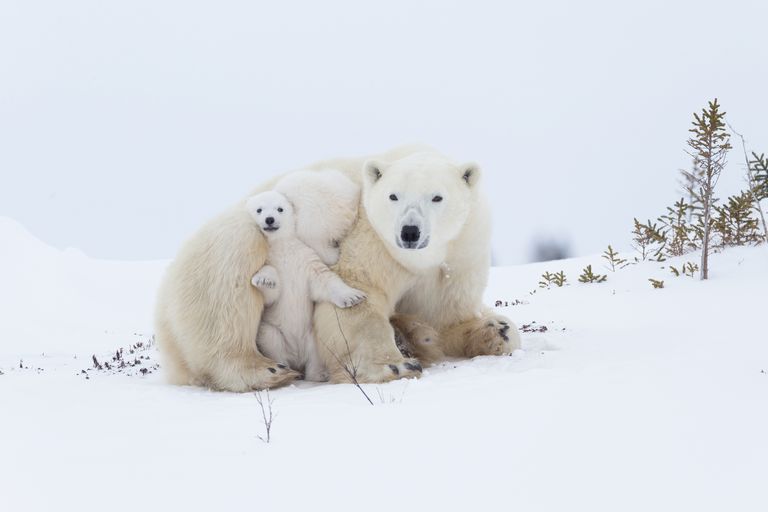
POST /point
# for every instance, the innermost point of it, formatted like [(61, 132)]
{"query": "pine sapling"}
[(656, 283), (546, 280), (613, 259), (588, 276), (687, 182), (759, 168), (757, 179), (734, 223), (710, 143), (690, 269), (677, 229), (649, 241), (758, 185)]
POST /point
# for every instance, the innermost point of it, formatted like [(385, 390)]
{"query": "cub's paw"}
[(496, 335), (347, 298), (261, 281)]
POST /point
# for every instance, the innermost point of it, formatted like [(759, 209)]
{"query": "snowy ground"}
[(632, 399)]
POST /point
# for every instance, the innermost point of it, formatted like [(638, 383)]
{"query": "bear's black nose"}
[(269, 221), (410, 234)]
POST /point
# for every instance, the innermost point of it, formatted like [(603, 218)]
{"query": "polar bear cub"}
[(295, 276)]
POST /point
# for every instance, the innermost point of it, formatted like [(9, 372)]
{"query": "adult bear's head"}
[(419, 204)]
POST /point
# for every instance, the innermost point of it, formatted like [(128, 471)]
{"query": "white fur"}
[(326, 206), (398, 277), (208, 313), (294, 277), (402, 194)]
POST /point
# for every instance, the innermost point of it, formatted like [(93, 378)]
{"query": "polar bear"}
[(293, 278), (420, 247), (208, 314)]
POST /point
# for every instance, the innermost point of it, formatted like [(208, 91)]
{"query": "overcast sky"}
[(125, 125)]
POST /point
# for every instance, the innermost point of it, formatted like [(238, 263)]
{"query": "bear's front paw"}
[(403, 368), (348, 298), (497, 336), (260, 281)]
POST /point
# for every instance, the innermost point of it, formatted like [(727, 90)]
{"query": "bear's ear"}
[(372, 170), (470, 173)]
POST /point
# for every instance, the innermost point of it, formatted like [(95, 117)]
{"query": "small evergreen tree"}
[(559, 278), (757, 174), (690, 268), (548, 279), (649, 241), (612, 257), (734, 223), (680, 236), (588, 276), (757, 178), (710, 143), (758, 167), (688, 187)]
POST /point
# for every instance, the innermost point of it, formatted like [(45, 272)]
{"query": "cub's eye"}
[(280, 210), (258, 211), (437, 199), (393, 197), (335, 244)]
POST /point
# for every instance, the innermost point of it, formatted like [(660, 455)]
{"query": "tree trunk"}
[(705, 246)]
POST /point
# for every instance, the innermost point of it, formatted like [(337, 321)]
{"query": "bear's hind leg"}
[(487, 335), (417, 339), (358, 344), (249, 374), (172, 361)]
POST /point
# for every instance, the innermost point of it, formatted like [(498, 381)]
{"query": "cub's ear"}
[(372, 171), (470, 173)]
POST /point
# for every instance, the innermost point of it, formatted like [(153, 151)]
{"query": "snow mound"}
[(623, 397), (64, 302)]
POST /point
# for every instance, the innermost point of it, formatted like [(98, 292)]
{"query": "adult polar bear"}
[(414, 255)]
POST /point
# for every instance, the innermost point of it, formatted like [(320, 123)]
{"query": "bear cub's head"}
[(273, 214), (419, 204)]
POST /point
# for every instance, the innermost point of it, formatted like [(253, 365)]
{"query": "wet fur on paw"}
[(416, 339), (491, 335)]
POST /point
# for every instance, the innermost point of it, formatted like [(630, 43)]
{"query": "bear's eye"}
[(393, 197), (437, 199), (258, 211), (280, 210), (335, 244)]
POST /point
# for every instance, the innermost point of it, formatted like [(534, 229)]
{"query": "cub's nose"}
[(410, 234), (269, 221)]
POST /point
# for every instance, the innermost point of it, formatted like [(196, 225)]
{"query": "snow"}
[(633, 399)]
